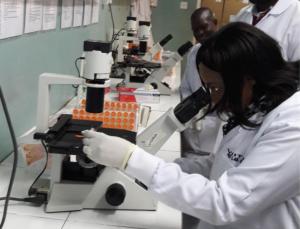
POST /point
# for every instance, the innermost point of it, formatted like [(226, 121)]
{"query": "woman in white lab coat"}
[(253, 179)]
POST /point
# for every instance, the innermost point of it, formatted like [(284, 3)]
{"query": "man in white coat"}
[(280, 19), (199, 137), (253, 179), (203, 24)]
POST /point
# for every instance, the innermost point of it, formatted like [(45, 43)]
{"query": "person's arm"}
[(269, 175), (200, 165)]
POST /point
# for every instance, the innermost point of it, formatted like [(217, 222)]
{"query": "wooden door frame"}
[(198, 3)]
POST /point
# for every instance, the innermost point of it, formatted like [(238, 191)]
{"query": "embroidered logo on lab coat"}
[(235, 156)]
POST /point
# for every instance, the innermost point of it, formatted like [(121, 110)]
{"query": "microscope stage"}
[(65, 136)]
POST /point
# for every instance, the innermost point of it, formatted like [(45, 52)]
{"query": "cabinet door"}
[(216, 6), (231, 8)]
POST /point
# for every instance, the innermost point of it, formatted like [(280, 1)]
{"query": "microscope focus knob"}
[(115, 194), (154, 85)]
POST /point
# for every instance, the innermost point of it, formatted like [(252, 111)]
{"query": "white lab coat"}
[(191, 81), (253, 182), (141, 9), (282, 23)]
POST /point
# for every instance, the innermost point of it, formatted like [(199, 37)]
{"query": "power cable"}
[(32, 191), (112, 21), (15, 162)]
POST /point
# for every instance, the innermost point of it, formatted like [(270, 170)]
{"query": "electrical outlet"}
[(184, 5)]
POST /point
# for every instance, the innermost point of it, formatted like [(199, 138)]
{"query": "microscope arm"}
[(154, 136), (43, 106), (157, 76)]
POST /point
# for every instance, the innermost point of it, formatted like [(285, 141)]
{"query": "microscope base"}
[(160, 86), (111, 186), (163, 89)]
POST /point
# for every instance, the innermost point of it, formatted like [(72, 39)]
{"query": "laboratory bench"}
[(24, 215)]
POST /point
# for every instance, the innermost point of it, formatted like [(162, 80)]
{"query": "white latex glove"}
[(107, 150)]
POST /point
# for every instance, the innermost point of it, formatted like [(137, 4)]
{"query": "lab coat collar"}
[(196, 46), (279, 7)]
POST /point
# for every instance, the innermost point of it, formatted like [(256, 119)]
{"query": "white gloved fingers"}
[(91, 134), (107, 150), (88, 133), (87, 141), (93, 158), (94, 155), (87, 150), (115, 138)]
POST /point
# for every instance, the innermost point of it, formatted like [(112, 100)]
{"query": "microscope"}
[(135, 41), (77, 182), (177, 119), (130, 48), (136, 65), (158, 47), (156, 77), (152, 73)]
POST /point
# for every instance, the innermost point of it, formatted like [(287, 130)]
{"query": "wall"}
[(24, 58), (168, 18)]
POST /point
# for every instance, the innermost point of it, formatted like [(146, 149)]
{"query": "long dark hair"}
[(238, 51)]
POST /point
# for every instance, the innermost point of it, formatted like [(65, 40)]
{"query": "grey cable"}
[(15, 162)]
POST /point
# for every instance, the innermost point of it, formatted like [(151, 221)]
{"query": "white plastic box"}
[(147, 96)]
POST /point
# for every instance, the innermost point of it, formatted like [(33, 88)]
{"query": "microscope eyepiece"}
[(147, 23), (191, 105), (129, 18), (166, 40), (183, 49)]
